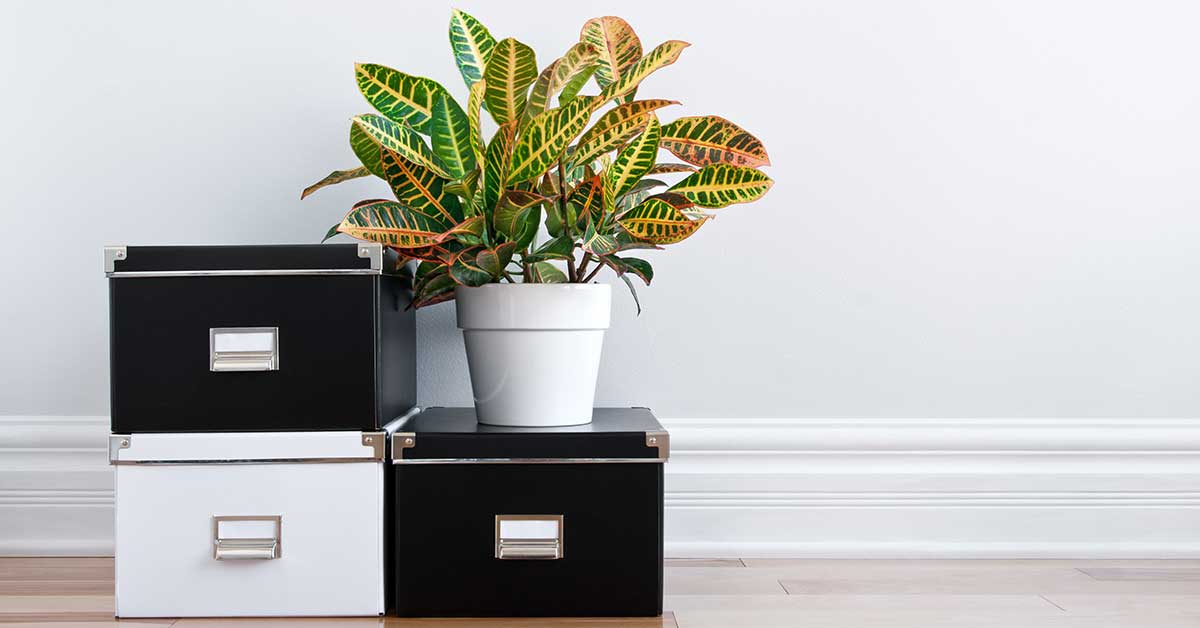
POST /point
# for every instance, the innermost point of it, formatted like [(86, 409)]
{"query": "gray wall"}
[(981, 209)]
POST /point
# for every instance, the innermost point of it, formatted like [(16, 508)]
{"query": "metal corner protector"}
[(112, 255), (372, 251), (660, 440), (377, 441), (402, 441), (117, 442)]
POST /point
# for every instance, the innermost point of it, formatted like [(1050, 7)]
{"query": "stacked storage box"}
[(504, 521), (250, 391)]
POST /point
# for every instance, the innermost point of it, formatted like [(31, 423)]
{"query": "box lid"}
[(278, 259), (246, 447), (452, 435)]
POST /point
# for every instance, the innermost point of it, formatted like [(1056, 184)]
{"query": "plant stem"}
[(593, 273), (572, 274), (587, 257)]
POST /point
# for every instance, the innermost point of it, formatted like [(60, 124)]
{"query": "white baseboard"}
[(847, 488), (947, 488)]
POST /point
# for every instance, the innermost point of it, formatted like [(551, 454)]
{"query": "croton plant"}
[(470, 210)]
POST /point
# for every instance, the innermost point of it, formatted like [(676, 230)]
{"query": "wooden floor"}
[(749, 594)]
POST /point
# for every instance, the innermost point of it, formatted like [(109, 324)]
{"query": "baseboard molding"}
[(945, 488), (845, 488)]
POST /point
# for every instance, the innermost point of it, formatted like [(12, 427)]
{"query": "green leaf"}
[(586, 202), (495, 260), (704, 140), (665, 54), (571, 88), (420, 189), (622, 265), (400, 139), (548, 135), (580, 58), (598, 243), (472, 45), (545, 272), (719, 185), (366, 148), (332, 232), (632, 291), (451, 135), (614, 128), (509, 72), (496, 164), (474, 104), (465, 271), (670, 168), (401, 97), (633, 162), (337, 176), (436, 287), (639, 193), (517, 216), (618, 47), (472, 227), (390, 223), (659, 222), (561, 247)]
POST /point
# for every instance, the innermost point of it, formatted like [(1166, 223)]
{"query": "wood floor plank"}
[(720, 581), (1129, 604), (1143, 574), (703, 562), (1009, 605)]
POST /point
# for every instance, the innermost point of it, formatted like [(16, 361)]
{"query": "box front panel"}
[(446, 533), (291, 539), (162, 353)]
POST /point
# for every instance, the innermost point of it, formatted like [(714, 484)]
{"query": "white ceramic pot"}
[(534, 350)]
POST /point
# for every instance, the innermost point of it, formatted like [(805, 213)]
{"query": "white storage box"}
[(249, 524)]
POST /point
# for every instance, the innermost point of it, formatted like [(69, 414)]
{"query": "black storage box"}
[(258, 338), (552, 522)]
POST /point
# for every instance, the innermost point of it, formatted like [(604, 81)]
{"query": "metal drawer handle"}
[(247, 537), (529, 537), (243, 349)]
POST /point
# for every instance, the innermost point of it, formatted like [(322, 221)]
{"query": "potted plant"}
[(516, 226)]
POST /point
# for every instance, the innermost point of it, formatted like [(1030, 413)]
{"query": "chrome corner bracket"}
[(377, 441), (373, 252), (112, 255), (117, 442), (402, 441), (661, 440)]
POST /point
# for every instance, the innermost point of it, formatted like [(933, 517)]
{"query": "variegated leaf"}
[(704, 140), (622, 265), (517, 216), (473, 226), (472, 45), (556, 76), (633, 162), (437, 287), (474, 105), (465, 270), (509, 72), (639, 193), (545, 272), (420, 189), (615, 127), (659, 222), (401, 97), (561, 247), (548, 135), (586, 202), (540, 95), (451, 135), (337, 176), (665, 54), (390, 223), (669, 168), (366, 148), (400, 139), (618, 47), (718, 185), (597, 242), (496, 165), (571, 88), (495, 260)]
